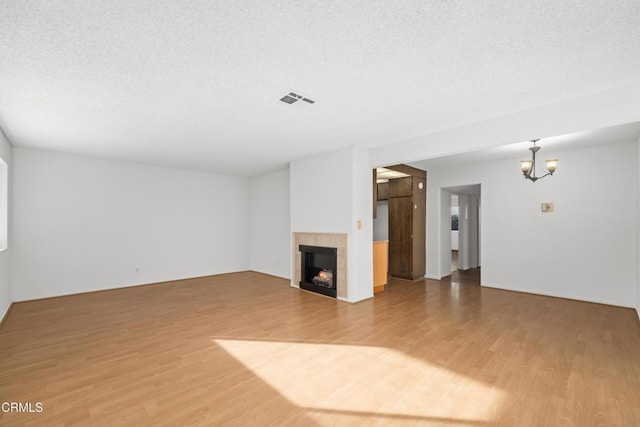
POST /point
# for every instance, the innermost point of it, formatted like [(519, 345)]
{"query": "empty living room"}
[(244, 213)]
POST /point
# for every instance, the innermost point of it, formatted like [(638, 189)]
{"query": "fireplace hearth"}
[(319, 269)]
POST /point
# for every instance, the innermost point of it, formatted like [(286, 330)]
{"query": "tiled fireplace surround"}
[(330, 240)]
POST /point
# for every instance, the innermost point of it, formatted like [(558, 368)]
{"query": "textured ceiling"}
[(195, 84)]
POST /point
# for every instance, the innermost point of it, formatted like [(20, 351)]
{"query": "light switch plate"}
[(548, 207)]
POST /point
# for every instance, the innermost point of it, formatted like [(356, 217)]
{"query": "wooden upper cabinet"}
[(383, 191), (401, 187)]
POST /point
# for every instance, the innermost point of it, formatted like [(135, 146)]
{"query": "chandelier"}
[(528, 167)]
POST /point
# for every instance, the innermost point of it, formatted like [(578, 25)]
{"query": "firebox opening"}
[(319, 269)]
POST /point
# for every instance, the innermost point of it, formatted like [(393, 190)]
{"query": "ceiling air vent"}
[(293, 97)]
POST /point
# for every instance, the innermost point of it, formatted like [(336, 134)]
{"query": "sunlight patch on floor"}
[(352, 380)]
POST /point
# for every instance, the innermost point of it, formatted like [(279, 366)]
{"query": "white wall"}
[(381, 222), (5, 255), (468, 231), (84, 224), (440, 238), (586, 250), (360, 244), (321, 192), (330, 193), (270, 224)]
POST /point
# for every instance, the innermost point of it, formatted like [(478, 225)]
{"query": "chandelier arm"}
[(531, 173), (535, 178), (546, 174)]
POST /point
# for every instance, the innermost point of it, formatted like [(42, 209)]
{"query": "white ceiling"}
[(195, 84), (384, 174), (548, 146)]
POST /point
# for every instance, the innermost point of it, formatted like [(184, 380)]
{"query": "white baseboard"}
[(4, 316), (119, 286), (355, 301), (271, 274), (559, 295)]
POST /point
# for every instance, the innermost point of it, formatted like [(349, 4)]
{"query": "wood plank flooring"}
[(246, 349)]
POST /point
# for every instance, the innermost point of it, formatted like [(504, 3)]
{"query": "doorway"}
[(455, 232), (460, 243), (400, 219)]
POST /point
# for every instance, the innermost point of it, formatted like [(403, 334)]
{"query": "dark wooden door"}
[(400, 236)]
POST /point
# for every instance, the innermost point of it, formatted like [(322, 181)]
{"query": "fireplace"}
[(319, 269)]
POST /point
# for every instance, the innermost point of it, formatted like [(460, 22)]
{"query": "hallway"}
[(464, 277)]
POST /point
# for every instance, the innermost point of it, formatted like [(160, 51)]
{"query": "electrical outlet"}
[(548, 207)]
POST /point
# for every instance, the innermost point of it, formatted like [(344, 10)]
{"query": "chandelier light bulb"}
[(551, 165), (525, 165)]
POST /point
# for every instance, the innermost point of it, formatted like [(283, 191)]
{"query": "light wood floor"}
[(246, 349)]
